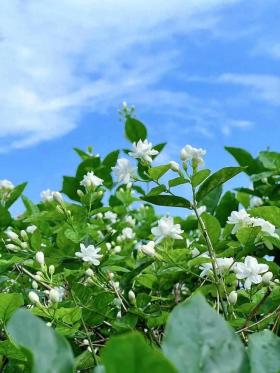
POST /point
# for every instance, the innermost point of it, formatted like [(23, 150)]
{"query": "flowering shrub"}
[(93, 279)]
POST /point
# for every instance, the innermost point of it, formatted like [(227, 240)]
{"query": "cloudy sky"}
[(204, 72)]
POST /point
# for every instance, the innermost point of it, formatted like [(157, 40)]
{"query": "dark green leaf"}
[(15, 194), (167, 200), (5, 217), (227, 204), (245, 159), (135, 130), (177, 181), (70, 187), (200, 176)]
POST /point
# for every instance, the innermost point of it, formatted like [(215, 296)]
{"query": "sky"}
[(200, 72)]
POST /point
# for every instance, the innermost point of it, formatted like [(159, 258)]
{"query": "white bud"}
[(24, 245), (131, 296), (33, 297), (174, 166), (38, 277), (99, 215), (111, 275), (31, 229), (232, 297), (117, 249), (11, 246), (51, 269), (267, 277), (80, 193), (184, 155), (89, 272), (54, 296), (24, 235), (149, 249), (85, 342), (57, 197), (40, 258), (108, 245), (34, 285), (12, 235)]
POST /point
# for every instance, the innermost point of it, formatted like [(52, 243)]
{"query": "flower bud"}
[(267, 277), (111, 275), (174, 166), (31, 229), (89, 272), (232, 297), (80, 193), (184, 155), (24, 235), (51, 269), (117, 249), (108, 245), (99, 215), (24, 245), (54, 296), (131, 296), (11, 246), (34, 285), (12, 235), (57, 197), (40, 258), (149, 249), (33, 297)]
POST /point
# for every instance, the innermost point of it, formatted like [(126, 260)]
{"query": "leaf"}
[(51, 353), (200, 176), (227, 204), (270, 160), (111, 159), (9, 350), (157, 190), (15, 194), (90, 164), (130, 353), (245, 159), (70, 187), (167, 200), (216, 179), (5, 217), (135, 130), (247, 235), (269, 213), (213, 227), (158, 171), (264, 351), (211, 200), (8, 304), (177, 181), (198, 340)]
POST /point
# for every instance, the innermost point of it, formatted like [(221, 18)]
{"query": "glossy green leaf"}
[(15, 194), (158, 171), (135, 130), (8, 304), (177, 181), (227, 204), (5, 217), (200, 176), (167, 200), (269, 213), (245, 159)]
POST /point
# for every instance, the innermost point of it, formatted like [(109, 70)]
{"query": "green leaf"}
[(269, 213), (213, 227), (216, 179), (158, 171), (177, 181), (245, 159), (86, 166), (15, 194), (51, 353), (247, 235), (8, 304), (9, 350), (227, 204), (135, 130), (264, 352), (157, 190), (198, 340), (270, 160), (5, 217), (111, 159), (211, 200), (70, 187), (200, 176), (130, 353), (167, 200)]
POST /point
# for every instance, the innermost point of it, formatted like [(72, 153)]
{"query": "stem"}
[(24, 270), (211, 252)]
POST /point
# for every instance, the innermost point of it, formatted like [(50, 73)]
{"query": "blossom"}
[(123, 170), (127, 233), (189, 153), (266, 227), (49, 196), (255, 202), (54, 296), (6, 185), (40, 258), (250, 271), (174, 166), (232, 297), (12, 235), (240, 219), (148, 249), (89, 254), (33, 297), (31, 229), (167, 228), (143, 150), (267, 277), (111, 216), (221, 265), (129, 220), (91, 181)]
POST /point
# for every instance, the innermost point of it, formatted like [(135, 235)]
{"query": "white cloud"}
[(62, 58)]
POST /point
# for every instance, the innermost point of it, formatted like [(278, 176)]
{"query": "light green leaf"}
[(15, 194), (157, 190), (213, 227), (200, 176), (50, 352), (177, 181), (198, 340), (247, 235), (269, 213), (216, 179), (158, 171), (8, 304), (264, 352)]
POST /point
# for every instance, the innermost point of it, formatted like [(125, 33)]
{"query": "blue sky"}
[(203, 72)]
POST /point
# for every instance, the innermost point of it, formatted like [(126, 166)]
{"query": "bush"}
[(93, 279)]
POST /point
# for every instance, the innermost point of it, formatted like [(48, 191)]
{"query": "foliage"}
[(92, 279)]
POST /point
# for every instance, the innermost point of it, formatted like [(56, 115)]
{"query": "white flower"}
[(111, 216), (148, 249), (232, 297), (54, 296), (221, 265), (267, 277), (174, 166), (57, 197), (266, 227), (143, 150), (47, 195), (189, 153), (89, 272), (250, 270), (33, 297), (240, 219), (195, 252), (31, 229), (6, 185), (40, 258), (129, 220), (131, 296), (91, 181), (89, 254), (167, 228), (123, 170), (255, 202), (128, 233)]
